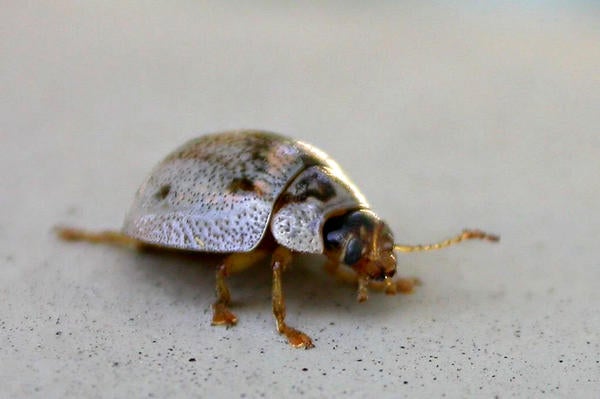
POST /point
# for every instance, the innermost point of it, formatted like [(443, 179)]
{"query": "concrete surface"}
[(446, 116)]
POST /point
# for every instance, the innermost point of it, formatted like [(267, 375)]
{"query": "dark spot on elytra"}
[(310, 186), (163, 192), (313, 186), (243, 184), (259, 150)]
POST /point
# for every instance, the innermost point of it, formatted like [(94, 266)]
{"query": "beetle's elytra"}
[(248, 194)]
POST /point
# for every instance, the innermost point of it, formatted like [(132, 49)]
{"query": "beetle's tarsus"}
[(281, 258), (296, 338), (401, 285), (222, 316)]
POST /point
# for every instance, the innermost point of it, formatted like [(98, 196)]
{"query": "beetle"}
[(248, 194)]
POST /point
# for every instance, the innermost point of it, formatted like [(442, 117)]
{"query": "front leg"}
[(391, 286), (281, 259)]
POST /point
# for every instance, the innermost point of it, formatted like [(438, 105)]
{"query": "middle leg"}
[(231, 264), (221, 313), (281, 259)]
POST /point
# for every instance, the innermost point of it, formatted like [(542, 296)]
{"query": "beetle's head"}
[(362, 241)]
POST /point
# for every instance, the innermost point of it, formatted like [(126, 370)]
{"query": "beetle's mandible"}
[(249, 194)]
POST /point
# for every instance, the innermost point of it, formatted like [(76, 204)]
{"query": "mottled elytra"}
[(249, 194)]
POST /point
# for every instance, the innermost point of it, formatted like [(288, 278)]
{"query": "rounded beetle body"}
[(237, 193), (223, 192)]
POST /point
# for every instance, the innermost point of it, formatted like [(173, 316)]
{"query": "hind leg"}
[(97, 237)]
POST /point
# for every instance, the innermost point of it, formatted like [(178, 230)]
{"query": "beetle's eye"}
[(353, 251)]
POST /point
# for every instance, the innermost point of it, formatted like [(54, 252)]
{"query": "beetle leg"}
[(281, 258), (363, 288), (100, 237), (221, 313), (349, 276), (233, 263), (392, 286), (402, 285)]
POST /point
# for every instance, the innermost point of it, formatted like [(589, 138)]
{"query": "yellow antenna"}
[(465, 235)]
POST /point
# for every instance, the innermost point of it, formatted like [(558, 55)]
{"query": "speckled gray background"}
[(446, 116)]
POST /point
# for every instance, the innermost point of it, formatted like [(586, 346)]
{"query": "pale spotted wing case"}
[(216, 193), (317, 193)]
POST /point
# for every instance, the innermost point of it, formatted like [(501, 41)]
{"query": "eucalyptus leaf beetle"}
[(249, 194)]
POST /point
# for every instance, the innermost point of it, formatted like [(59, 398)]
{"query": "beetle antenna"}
[(465, 235)]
